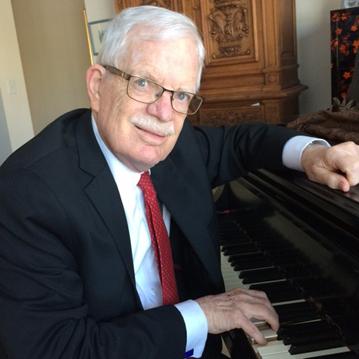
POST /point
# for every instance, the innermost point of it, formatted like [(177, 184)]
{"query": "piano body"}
[(299, 242)]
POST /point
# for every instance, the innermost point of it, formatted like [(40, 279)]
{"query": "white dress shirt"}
[(147, 277)]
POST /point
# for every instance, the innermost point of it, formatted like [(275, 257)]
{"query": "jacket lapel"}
[(103, 193), (185, 205)]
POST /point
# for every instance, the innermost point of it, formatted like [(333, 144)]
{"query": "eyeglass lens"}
[(146, 91)]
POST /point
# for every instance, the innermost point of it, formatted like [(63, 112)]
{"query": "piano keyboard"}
[(271, 266)]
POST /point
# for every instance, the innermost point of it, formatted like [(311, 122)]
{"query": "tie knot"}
[(145, 183)]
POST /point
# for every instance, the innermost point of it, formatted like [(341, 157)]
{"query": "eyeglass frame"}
[(115, 71)]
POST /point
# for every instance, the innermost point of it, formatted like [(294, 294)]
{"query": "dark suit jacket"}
[(67, 286)]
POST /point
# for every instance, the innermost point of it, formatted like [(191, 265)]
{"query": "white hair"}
[(160, 24)]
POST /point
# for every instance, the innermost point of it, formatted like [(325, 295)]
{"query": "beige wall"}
[(54, 54), (99, 10), (15, 119), (313, 34), (5, 145)]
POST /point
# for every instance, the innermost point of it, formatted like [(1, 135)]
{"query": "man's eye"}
[(183, 96), (141, 82)]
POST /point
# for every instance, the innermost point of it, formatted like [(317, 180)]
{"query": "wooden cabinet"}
[(251, 67)]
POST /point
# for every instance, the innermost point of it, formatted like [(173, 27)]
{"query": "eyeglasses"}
[(147, 91)]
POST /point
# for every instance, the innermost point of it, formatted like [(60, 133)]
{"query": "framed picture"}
[(97, 31)]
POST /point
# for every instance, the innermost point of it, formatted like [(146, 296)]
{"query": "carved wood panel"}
[(163, 3), (230, 31)]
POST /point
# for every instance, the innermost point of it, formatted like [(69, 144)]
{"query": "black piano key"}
[(234, 239), (240, 249), (302, 327), (278, 291), (307, 338), (260, 263), (293, 307), (261, 275), (296, 312), (233, 236), (275, 247), (311, 347), (250, 261), (349, 326), (283, 261), (300, 270), (289, 255), (245, 257), (339, 306), (238, 243), (317, 287), (298, 317)]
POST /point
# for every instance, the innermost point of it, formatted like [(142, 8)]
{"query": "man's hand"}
[(337, 166), (235, 309)]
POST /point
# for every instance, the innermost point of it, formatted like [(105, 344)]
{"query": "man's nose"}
[(162, 108)]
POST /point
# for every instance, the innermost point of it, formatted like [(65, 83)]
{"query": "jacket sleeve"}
[(230, 152), (43, 310)]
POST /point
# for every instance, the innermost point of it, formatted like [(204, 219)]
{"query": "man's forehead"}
[(164, 62)]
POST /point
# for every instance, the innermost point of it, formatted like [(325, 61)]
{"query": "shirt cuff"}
[(294, 147), (196, 326)]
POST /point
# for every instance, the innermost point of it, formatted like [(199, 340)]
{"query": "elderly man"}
[(91, 265)]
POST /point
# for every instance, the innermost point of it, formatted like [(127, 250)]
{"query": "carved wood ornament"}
[(229, 25), (162, 3)]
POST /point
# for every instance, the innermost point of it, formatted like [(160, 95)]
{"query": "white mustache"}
[(150, 124)]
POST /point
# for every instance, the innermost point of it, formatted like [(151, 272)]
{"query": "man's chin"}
[(147, 156), (144, 163)]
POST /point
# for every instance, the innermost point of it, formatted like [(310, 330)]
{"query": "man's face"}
[(139, 134)]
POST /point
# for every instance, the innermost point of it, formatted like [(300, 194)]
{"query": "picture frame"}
[(96, 30)]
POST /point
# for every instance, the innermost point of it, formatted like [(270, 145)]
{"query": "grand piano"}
[(299, 242)]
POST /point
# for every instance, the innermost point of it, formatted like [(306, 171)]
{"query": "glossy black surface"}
[(296, 239)]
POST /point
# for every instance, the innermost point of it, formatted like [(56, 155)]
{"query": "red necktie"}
[(160, 240)]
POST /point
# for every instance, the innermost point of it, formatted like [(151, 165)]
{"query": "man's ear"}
[(94, 77)]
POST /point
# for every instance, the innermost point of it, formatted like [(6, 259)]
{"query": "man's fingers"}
[(249, 298), (261, 311), (337, 166), (251, 292), (349, 170), (252, 331), (236, 309), (332, 179)]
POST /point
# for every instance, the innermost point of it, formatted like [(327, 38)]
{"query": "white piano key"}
[(271, 348), (269, 334)]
